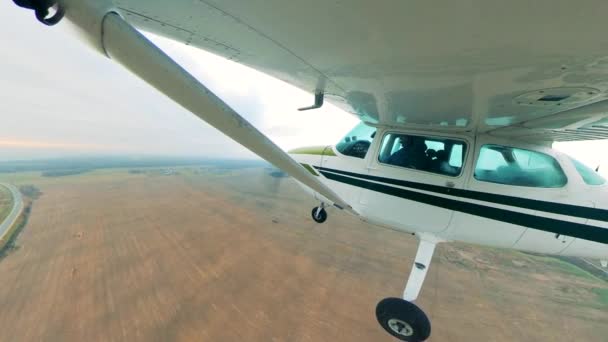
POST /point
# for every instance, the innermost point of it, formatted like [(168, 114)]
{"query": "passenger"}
[(444, 164), (434, 162), (418, 157)]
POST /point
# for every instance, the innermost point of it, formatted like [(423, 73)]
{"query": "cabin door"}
[(410, 178)]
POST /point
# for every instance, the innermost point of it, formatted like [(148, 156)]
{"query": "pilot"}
[(412, 153)]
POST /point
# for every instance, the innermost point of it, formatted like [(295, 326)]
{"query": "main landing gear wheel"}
[(403, 319), (319, 214), (48, 12)]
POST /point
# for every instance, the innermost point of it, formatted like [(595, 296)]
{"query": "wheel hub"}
[(400, 327)]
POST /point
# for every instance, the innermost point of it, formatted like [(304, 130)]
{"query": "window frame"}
[(528, 149), (464, 142)]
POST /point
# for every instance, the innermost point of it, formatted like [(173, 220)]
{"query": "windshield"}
[(589, 176), (357, 141)]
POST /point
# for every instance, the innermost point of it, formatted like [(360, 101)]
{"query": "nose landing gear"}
[(319, 214)]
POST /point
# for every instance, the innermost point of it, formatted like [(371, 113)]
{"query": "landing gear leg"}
[(319, 214), (401, 317)]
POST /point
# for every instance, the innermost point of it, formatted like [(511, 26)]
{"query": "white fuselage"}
[(569, 217)]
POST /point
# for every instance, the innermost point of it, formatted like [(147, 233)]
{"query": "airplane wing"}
[(107, 31), (537, 71), (587, 122)]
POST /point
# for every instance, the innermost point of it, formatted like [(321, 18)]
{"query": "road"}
[(17, 208)]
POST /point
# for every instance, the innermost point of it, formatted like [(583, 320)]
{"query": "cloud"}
[(56, 90)]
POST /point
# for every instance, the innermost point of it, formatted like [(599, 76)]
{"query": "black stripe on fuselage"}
[(572, 229), (526, 203)]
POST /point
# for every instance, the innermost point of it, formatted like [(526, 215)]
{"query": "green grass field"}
[(602, 295), (6, 202)]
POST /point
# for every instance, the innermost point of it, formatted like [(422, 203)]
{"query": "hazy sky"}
[(59, 97)]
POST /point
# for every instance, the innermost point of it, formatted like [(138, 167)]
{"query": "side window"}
[(457, 156), (514, 166), (430, 154), (357, 141), (589, 176)]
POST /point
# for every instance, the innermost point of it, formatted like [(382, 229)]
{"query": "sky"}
[(59, 97)]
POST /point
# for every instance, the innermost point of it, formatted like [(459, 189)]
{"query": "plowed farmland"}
[(232, 255)]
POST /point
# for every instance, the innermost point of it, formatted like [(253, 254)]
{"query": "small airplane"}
[(459, 106)]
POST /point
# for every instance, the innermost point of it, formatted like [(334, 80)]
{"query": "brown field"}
[(6, 202), (212, 256)]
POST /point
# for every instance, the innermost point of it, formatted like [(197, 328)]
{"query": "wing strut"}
[(117, 39), (426, 247)]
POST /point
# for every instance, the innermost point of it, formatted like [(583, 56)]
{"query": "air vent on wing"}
[(554, 97)]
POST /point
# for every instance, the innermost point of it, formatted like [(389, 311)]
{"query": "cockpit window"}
[(514, 166), (430, 154), (357, 141), (589, 176)]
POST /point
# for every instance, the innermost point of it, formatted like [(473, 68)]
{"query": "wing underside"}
[(589, 122), (476, 66)]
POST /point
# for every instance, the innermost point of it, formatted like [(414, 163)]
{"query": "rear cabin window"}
[(589, 176), (430, 154), (514, 166), (357, 142)]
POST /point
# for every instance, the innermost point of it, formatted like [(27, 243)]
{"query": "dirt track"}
[(113, 256)]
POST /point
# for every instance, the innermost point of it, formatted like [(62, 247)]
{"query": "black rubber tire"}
[(322, 215), (42, 12), (397, 308)]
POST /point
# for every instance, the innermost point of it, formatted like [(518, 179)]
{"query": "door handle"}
[(450, 184)]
